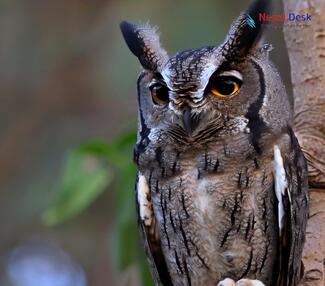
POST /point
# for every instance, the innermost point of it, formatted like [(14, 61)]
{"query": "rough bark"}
[(306, 49)]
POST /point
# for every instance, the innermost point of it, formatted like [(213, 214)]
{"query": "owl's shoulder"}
[(291, 189)]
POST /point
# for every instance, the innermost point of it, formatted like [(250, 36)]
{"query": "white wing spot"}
[(145, 206), (280, 183)]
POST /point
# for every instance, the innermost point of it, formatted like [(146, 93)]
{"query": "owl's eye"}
[(225, 86), (159, 93)]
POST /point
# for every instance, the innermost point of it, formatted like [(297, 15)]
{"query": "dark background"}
[(66, 76)]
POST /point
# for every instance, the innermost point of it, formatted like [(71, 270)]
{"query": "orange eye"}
[(225, 86), (159, 94)]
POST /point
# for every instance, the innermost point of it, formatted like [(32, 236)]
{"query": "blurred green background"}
[(67, 127)]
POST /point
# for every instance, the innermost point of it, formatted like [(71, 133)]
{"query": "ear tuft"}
[(246, 31), (143, 42), (130, 35)]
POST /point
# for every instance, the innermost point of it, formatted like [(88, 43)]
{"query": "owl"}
[(221, 189)]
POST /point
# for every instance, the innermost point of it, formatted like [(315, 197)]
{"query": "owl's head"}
[(200, 94)]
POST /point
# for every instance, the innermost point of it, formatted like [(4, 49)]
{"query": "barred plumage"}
[(222, 182)]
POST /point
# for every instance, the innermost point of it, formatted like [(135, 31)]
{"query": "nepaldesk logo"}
[(290, 17), (250, 21), (265, 18)]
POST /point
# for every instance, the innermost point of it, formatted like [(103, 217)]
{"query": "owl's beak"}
[(190, 121)]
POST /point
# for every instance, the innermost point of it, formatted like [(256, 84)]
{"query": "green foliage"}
[(84, 179), (88, 170)]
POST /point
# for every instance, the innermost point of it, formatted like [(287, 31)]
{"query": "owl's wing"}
[(291, 187), (150, 234)]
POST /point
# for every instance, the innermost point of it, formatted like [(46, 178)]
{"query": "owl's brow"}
[(199, 83), (224, 68), (165, 75), (158, 76)]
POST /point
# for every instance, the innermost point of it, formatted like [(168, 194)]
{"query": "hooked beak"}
[(190, 121)]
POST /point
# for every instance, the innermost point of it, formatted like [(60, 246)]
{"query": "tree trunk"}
[(306, 49)]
